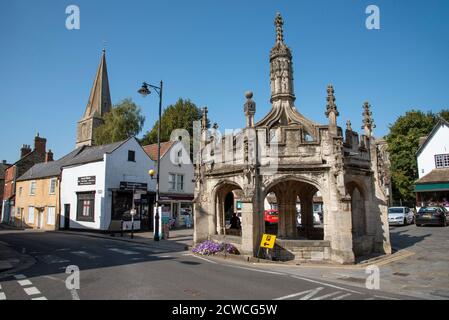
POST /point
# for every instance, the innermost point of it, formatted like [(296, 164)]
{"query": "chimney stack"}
[(24, 150), (49, 156), (40, 144), (3, 161)]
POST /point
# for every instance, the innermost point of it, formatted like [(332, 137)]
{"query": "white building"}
[(98, 186), (176, 179), (433, 167)]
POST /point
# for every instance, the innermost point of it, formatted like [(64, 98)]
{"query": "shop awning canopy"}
[(432, 187), (435, 180)]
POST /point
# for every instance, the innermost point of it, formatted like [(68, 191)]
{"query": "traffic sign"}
[(268, 241)]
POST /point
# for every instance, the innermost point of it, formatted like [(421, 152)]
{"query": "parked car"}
[(316, 218), (271, 216), (400, 216), (434, 215)]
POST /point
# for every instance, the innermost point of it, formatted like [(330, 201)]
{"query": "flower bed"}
[(210, 248)]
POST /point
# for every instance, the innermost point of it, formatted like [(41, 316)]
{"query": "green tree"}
[(122, 122), (403, 143), (181, 115)]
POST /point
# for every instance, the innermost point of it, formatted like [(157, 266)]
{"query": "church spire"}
[(98, 105), (100, 97), (368, 122)]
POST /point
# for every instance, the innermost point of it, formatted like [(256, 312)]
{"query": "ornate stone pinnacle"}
[(204, 119), (279, 22), (368, 122), (331, 106), (348, 125)]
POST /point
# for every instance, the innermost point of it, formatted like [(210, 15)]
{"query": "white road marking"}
[(84, 254), (293, 295), (24, 283), (388, 298), (50, 259), (40, 298), (311, 294), (342, 296), (2, 296), (257, 270), (19, 277), (326, 284), (327, 295), (201, 258), (164, 257), (147, 249), (31, 291), (123, 251)]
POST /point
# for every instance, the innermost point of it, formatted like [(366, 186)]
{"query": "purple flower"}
[(211, 248)]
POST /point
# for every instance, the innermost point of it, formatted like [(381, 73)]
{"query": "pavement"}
[(140, 268)]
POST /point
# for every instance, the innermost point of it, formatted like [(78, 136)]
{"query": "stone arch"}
[(287, 190), (223, 192)]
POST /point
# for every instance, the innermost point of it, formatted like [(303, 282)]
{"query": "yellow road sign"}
[(268, 241)]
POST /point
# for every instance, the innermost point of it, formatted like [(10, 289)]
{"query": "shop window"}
[(86, 207), (131, 155)]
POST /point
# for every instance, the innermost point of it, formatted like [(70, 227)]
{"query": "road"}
[(112, 269)]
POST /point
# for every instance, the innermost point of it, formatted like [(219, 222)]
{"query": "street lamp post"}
[(144, 91)]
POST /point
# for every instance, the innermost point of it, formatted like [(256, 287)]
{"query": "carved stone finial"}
[(279, 22), (331, 107), (204, 119), (368, 122), (348, 125)]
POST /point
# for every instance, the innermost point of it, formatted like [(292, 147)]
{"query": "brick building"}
[(28, 158)]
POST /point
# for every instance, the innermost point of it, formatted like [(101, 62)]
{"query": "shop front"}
[(132, 195), (179, 208)]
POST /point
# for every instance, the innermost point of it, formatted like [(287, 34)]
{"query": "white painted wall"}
[(114, 169), (169, 165), (69, 188), (438, 144)]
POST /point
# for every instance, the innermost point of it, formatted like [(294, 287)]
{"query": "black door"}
[(66, 216)]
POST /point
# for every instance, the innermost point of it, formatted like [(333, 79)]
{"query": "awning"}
[(432, 187)]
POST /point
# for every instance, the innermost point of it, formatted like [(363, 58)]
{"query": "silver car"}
[(400, 216)]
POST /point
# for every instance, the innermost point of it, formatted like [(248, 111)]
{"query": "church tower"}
[(98, 105)]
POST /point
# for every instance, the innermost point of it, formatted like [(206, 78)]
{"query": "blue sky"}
[(212, 52)]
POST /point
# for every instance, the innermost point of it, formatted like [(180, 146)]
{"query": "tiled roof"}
[(81, 155), (435, 176), (48, 169), (151, 149)]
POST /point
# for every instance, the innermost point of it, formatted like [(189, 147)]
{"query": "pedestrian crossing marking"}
[(312, 293), (19, 277), (2, 296), (40, 298), (32, 291), (84, 254), (327, 295), (25, 283), (123, 251), (342, 296)]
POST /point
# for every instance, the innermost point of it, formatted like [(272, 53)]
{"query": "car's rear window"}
[(430, 209), (272, 213), (396, 210)]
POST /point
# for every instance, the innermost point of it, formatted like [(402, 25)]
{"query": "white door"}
[(40, 219)]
